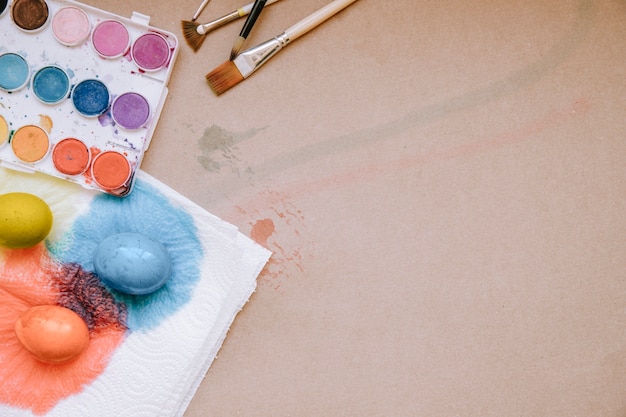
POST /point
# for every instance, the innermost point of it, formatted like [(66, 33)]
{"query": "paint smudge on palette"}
[(101, 78)]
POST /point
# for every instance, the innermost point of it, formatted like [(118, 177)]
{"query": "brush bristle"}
[(190, 32), (237, 47), (224, 77)]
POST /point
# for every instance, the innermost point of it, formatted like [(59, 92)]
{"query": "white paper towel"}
[(156, 372)]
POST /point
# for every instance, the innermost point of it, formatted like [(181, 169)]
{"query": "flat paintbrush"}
[(195, 33), (247, 27), (231, 73)]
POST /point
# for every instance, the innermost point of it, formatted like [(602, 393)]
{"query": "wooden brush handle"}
[(316, 18)]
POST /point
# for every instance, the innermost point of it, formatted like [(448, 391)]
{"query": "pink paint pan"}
[(71, 26), (111, 39), (151, 51)]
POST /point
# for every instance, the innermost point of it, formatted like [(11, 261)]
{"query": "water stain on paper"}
[(218, 148)]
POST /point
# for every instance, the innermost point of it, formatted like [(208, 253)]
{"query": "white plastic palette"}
[(80, 94)]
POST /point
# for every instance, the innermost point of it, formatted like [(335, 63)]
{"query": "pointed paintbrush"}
[(247, 27), (199, 10)]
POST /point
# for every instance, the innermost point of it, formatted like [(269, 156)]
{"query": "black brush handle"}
[(251, 20)]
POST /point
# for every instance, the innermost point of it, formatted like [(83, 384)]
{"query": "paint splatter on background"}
[(219, 149), (277, 224)]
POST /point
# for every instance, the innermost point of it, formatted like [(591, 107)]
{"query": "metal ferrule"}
[(207, 27), (252, 58)]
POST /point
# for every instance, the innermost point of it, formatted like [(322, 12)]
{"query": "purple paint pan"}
[(130, 111)]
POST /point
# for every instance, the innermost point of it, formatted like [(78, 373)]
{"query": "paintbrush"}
[(200, 9), (231, 73), (247, 27), (195, 33)]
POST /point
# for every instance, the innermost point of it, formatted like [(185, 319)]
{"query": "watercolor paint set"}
[(81, 91)]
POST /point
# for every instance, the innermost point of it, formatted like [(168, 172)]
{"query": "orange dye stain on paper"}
[(30, 278), (52, 333)]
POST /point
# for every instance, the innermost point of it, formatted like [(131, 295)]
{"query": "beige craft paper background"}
[(443, 185)]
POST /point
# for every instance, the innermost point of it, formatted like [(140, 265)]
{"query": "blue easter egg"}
[(132, 263)]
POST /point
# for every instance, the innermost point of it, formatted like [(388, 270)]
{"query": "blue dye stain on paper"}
[(147, 212)]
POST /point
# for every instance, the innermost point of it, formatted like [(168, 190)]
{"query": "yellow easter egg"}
[(52, 333), (25, 220)]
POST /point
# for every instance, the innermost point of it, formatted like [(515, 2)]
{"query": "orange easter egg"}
[(52, 333)]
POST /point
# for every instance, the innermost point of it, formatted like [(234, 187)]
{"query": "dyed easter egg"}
[(25, 220), (132, 263), (52, 333)]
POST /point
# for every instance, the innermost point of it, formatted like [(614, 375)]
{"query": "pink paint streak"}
[(288, 238), (577, 108)]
